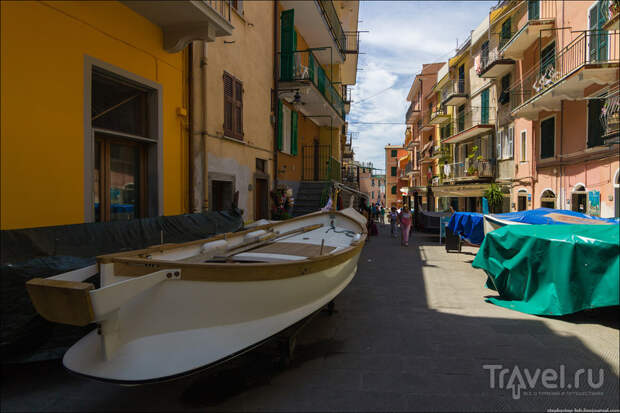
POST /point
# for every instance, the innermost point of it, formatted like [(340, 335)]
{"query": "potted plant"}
[(613, 17), (495, 197)]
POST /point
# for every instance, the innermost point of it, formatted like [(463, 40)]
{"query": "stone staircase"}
[(308, 198)]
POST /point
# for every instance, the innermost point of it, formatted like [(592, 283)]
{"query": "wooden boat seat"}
[(294, 248)]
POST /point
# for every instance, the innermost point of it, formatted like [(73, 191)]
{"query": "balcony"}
[(184, 21), (468, 125), (304, 83), (468, 170), (567, 74), (346, 95), (426, 122), (540, 18), (439, 117), (412, 113), (493, 65), (453, 94), (318, 23)]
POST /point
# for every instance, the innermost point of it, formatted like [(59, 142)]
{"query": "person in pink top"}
[(405, 219)]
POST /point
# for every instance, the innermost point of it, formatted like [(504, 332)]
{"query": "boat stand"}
[(287, 339)]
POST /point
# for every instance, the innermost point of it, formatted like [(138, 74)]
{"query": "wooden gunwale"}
[(130, 264)]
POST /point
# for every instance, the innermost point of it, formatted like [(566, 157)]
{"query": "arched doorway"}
[(579, 198), (547, 199), (522, 200)]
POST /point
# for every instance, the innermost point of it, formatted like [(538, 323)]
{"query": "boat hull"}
[(178, 327)]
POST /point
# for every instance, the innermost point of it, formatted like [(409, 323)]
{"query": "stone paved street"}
[(411, 332)]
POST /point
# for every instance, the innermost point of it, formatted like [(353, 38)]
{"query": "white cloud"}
[(403, 36)]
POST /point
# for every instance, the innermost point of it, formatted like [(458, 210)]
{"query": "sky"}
[(402, 36)]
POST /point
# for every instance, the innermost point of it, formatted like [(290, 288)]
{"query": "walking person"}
[(393, 221), (405, 219), (382, 215)]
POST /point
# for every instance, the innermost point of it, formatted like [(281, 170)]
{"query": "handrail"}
[(469, 119), (331, 17), (303, 65), (577, 53)]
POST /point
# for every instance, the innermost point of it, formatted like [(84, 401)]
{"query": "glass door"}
[(484, 99)]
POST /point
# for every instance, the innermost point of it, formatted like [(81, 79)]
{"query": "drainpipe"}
[(276, 112), (205, 152), (195, 140)]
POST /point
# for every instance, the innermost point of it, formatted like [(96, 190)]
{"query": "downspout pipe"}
[(276, 96), (205, 152), (195, 140)]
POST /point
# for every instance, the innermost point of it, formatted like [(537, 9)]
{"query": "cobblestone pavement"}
[(411, 332)]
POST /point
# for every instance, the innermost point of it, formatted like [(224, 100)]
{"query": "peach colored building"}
[(568, 65), (392, 174)]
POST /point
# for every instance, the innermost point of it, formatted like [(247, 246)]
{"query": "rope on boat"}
[(346, 232)]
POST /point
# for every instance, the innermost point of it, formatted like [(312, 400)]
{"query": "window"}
[(597, 42), (533, 9), (547, 200), (547, 138), (261, 165), (504, 97), (287, 130), (506, 33), (595, 126), (484, 103), (507, 145), (523, 146), (461, 118), (500, 143), (233, 107), (393, 171), (484, 54), (372, 182), (394, 152), (393, 189), (372, 194), (121, 111)]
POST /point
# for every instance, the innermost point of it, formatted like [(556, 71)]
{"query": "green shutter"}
[(279, 125), (287, 44), (595, 127), (293, 133), (311, 65), (533, 9), (484, 115)]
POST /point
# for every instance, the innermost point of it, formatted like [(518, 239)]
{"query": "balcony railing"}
[(413, 109), (331, 17), (352, 42), (221, 7), (302, 65), (475, 117), (487, 59), (454, 87), (468, 169), (589, 47)]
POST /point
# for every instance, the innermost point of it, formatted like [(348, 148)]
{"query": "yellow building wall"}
[(42, 147), (248, 56)]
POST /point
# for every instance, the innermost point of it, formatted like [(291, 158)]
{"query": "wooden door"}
[(261, 194)]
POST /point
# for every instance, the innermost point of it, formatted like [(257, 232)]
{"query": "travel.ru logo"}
[(518, 380)]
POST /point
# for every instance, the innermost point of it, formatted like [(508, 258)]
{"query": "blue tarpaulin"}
[(468, 225), (542, 216)]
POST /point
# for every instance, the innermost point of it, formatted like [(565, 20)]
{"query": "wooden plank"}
[(60, 301), (294, 248)]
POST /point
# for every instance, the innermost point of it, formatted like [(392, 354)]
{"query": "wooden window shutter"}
[(293, 133), (280, 132), (238, 111), (287, 31), (228, 105)]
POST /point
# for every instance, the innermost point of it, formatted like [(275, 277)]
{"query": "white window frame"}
[(286, 129), (523, 145), (499, 143), (511, 142)]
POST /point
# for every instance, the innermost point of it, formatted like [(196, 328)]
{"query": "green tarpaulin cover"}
[(552, 269)]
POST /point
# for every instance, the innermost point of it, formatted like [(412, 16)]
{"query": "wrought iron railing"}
[(476, 116), (438, 112), (488, 59), (352, 42), (302, 65), (316, 162), (589, 47), (221, 7), (454, 87), (331, 17), (473, 169)]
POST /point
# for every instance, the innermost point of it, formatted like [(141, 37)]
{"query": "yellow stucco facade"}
[(44, 47)]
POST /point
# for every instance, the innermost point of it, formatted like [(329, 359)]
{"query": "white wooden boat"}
[(171, 309)]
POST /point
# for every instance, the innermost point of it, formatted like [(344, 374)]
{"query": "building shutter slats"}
[(280, 132), (294, 133), (228, 104), (238, 132)]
